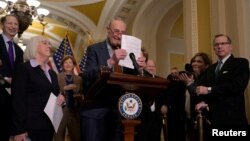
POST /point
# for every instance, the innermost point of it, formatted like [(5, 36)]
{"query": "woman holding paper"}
[(33, 83)]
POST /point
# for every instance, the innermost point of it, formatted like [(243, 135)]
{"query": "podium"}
[(145, 87)]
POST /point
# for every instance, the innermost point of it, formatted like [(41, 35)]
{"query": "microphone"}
[(142, 72), (132, 57)]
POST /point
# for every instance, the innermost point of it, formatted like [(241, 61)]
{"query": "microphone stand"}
[(165, 127)]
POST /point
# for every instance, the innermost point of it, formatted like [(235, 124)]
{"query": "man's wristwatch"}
[(209, 89)]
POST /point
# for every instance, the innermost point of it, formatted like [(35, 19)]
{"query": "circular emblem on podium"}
[(130, 106)]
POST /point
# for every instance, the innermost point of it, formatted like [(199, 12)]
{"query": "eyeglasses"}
[(222, 44), (116, 31)]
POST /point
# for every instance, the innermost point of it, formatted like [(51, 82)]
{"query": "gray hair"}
[(32, 45), (116, 19)]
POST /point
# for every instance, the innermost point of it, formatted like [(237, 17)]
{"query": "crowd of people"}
[(215, 90)]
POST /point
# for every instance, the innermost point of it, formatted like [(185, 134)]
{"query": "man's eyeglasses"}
[(222, 44), (116, 31)]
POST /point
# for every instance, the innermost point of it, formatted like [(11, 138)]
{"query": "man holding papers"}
[(99, 114)]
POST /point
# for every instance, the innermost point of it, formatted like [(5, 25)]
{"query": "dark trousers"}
[(5, 118), (150, 127), (100, 125), (176, 128), (41, 135)]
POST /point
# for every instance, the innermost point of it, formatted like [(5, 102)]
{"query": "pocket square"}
[(224, 72)]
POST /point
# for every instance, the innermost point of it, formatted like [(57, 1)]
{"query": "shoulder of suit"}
[(1, 41), (240, 60), (98, 44), (23, 66)]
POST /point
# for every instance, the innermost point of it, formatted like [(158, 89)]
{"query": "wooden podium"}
[(145, 87)]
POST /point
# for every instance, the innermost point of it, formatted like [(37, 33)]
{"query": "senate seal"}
[(130, 106)]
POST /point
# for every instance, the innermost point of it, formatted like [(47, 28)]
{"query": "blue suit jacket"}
[(97, 56), (104, 96)]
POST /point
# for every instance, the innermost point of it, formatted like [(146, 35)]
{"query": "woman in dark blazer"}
[(33, 82)]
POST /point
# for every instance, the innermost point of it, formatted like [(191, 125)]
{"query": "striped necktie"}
[(217, 70)]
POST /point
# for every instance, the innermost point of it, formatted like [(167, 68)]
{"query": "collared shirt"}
[(110, 49), (224, 60), (111, 52), (46, 71)]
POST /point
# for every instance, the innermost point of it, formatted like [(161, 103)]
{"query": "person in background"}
[(71, 87), (150, 127), (151, 67), (141, 61), (9, 26), (223, 86), (32, 84), (172, 104), (199, 63)]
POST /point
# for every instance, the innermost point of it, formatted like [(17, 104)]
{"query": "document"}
[(130, 44), (54, 111)]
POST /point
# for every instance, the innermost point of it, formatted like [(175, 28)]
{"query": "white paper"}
[(130, 44), (54, 111)]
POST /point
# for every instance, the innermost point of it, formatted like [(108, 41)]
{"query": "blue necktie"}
[(11, 53)]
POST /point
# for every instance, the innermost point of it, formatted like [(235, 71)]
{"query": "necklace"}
[(69, 78)]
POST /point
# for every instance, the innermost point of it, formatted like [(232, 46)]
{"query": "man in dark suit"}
[(9, 25), (172, 104), (98, 117), (224, 92), (99, 112)]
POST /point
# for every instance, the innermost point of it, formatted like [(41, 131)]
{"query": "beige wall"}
[(188, 28)]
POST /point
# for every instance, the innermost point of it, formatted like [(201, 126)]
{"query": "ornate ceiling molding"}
[(73, 3)]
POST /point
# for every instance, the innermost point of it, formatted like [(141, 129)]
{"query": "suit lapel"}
[(43, 76), (53, 77), (3, 50), (105, 52), (4, 53), (225, 66)]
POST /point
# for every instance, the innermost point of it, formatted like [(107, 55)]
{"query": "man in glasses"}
[(99, 113), (224, 85)]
